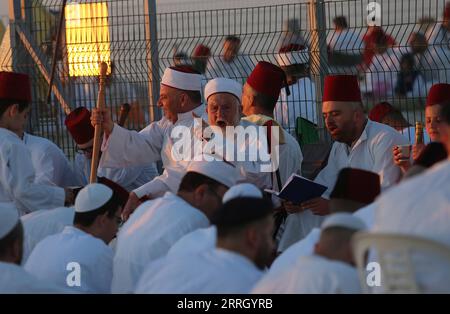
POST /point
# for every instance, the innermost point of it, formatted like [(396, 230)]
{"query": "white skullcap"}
[(91, 197), (242, 190), (182, 80), (9, 217), (343, 220), (293, 57), (215, 168), (223, 85)]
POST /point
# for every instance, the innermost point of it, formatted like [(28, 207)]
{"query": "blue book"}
[(299, 189)]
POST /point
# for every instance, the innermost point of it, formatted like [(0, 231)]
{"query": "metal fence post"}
[(152, 58), (15, 14), (319, 57)]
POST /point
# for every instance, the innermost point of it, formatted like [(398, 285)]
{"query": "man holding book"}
[(359, 143)]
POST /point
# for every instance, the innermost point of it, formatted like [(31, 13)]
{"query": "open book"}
[(299, 189)]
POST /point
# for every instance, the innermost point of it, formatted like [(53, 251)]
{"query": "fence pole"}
[(319, 57), (151, 40), (15, 14)]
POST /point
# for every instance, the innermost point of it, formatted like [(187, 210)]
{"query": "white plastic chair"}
[(394, 255)]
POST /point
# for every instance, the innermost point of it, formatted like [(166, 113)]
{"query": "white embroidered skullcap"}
[(9, 217), (343, 220), (293, 57), (92, 197), (182, 80), (242, 190), (223, 85), (214, 167)]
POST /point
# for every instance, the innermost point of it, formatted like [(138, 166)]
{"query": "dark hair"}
[(193, 180), (233, 39), (408, 57), (340, 21), (16, 234), (238, 213), (193, 95), (88, 218), (6, 103), (433, 153), (445, 112), (266, 102), (296, 69)]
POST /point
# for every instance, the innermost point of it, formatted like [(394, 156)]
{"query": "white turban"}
[(223, 85), (343, 220), (242, 190), (182, 80), (91, 197)]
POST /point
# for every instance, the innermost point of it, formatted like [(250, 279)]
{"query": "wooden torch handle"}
[(98, 127)]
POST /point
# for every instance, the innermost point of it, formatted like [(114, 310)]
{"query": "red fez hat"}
[(78, 122), (357, 185), (341, 88), (447, 11), (201, 51), (439, 94), (120, 192), (267, 79), (15, 87), (379, 111)]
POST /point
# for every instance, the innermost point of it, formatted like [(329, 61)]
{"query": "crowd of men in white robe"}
[(205, 225)]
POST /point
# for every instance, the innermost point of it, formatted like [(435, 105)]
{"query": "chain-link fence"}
[(392, 65)]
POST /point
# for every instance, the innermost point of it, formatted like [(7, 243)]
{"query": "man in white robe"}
[(424, 211), (260, 94), (83, 246), (329, 270), (158, 224), (49, 161), (294, 60), (244, 247), (354, 189), (359, 143), (17, 175), (180, 99), (14, 279), (206, 238), (78, 123)]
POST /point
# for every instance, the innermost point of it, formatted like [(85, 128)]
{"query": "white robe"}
[(50, 164), (51, 257), (300, 103), (128, 177), (43, 223), (17, 186), (149, 145), (210, 272), (372, 152), (14, 279), (420, 207), (301, 248), (312, 274), (197, 241), (148, 234)]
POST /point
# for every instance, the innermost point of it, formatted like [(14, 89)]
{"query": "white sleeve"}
[(19, 182), (383, 163), (128, 148)]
